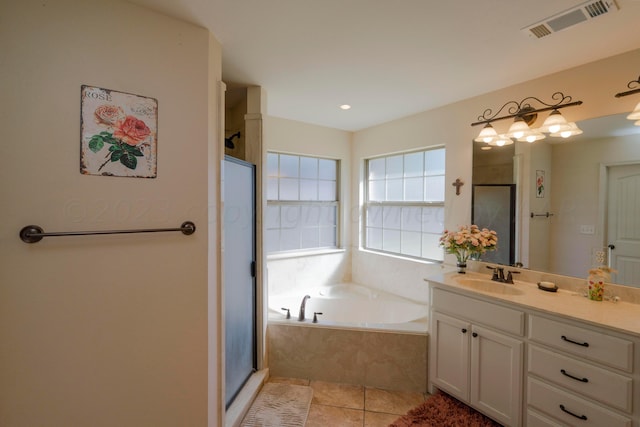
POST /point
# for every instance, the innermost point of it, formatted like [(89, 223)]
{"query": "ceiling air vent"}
[(570, 17)]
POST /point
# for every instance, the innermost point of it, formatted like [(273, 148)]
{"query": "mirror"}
[(575, 197)]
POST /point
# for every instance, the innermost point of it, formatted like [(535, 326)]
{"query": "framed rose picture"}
[(540, 184), (118, 133)]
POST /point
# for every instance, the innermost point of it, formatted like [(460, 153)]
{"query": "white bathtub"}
[(351, 306)]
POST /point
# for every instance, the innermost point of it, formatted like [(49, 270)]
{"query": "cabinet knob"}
[(464, 330), (475, 334)]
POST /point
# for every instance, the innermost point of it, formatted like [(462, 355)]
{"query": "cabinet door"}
[(496, 375), (449, 355)]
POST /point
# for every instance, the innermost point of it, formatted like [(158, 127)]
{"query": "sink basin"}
[(486, 285)]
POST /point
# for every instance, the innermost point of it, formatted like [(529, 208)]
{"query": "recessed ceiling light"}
[(345, 106)]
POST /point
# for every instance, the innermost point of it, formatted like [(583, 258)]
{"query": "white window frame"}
[(404, 206), (302, 204)]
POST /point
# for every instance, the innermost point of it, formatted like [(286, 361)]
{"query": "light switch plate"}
[(587, 229)]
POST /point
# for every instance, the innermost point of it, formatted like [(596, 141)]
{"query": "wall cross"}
[(458, 183)]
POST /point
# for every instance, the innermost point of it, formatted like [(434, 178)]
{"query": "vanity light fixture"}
[(532, 136), (554, 123), (525, 114), (501, 141), (487, 134), (518, 128), (572, 130), (634, 86)]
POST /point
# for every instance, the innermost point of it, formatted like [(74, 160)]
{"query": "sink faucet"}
[(498, 274), (509, 278), (302, 306)]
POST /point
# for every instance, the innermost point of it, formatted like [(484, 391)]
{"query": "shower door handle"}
[(253, 269)]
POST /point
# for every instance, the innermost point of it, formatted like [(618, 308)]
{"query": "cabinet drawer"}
[(599, 384), (535, 419), (482, 312), (571, 409), (593, 345)]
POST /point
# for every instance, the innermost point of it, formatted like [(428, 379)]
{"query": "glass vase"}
[(462, 267), (596, 286)]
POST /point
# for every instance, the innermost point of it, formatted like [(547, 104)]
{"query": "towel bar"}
[(34, 233)]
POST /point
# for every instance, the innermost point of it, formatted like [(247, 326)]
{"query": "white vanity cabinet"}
[(533, 358), (476, 355), (577, 375)]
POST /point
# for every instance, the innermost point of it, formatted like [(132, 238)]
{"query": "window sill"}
[(404, 258), (304, 254)]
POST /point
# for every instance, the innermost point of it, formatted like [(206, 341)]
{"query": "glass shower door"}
[(239, 283)]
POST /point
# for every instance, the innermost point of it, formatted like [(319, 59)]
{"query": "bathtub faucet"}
[(302, 306)]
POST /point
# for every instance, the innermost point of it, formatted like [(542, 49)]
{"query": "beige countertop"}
[(621, 316)]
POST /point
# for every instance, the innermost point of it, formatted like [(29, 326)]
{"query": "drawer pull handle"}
[(582, 380), (582, 417), (583, 344), (464, 330)]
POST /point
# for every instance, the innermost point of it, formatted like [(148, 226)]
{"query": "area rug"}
[(442, 410), (279, 405)]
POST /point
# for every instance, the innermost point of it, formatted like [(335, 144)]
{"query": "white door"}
[(623, 223), (449, 355), (496, 372)]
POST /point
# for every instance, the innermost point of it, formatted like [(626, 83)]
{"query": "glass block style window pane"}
[(302, 203), (404, 204)]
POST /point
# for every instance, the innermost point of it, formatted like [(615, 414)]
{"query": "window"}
[(302, 203), (404, 204)]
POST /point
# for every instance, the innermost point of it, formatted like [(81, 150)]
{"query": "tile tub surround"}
[(390, 361)]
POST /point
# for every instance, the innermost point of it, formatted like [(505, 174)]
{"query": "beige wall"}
[(595, 84), (104, 330), (294, 137)]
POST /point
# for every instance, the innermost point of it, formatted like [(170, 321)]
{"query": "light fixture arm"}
[(524, 108), (634, 85)]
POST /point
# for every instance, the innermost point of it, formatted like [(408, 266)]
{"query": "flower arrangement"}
[(127, 139), (597, 278), (469, 241)]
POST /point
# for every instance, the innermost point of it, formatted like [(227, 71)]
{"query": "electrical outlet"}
[(587, 229)]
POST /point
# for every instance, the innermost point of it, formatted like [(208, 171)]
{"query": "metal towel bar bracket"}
[(34, 233)]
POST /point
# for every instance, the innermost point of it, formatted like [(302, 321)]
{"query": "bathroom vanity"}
[(524, 356)]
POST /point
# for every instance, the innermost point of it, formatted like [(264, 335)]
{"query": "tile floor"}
[(343, 405)]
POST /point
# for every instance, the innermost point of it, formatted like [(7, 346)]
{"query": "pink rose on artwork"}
[(108, 114), (131, 131)]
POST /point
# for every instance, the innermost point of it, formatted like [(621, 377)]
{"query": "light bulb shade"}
[(572, 130), (554, 123), (501, 141), (487, 134), (518, 128), (635, 114), (532, 136)]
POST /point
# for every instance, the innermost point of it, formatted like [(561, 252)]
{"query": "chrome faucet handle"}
[(315, 316), (288, 312)]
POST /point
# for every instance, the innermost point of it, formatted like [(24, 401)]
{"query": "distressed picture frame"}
[(118, 133), (540, 184)]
